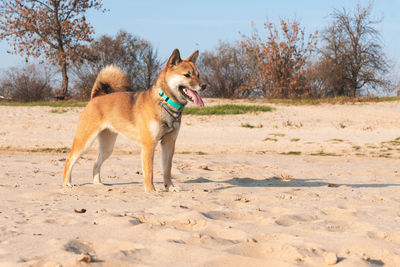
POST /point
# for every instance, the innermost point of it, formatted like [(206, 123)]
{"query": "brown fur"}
[(138, 116), (110, 79)]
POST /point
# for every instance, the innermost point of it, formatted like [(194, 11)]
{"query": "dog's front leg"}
[(168, 149), (147, 165)]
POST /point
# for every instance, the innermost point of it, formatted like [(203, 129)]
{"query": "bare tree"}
[(281, 60), (352, 60), (49, 29), (223, 70), (135, 56), (27, 83), (150, 65)]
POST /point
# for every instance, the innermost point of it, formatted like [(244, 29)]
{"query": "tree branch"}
[(43, 4)]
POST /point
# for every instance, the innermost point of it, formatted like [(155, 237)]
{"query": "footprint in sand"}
[(389, 236), (335, 226), (289, 220), (280, 251), (231, 215), (78, 247), (62, 221), (135, 221)]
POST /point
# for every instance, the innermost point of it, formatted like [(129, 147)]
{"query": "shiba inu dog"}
[(147, 116)]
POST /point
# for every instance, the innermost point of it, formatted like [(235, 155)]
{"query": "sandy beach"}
[(299, 186)]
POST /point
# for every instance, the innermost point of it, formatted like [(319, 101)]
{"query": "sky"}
[(191, 25)]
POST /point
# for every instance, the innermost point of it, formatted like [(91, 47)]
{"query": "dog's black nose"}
[(203, 86)]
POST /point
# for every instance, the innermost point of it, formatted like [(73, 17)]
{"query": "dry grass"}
[(332, 101)]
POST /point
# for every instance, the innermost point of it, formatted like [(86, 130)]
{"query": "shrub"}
[(27, 83), (223, 70), (135, 56)]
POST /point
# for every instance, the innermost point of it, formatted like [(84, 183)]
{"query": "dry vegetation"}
[(52, 30), (345, 59)]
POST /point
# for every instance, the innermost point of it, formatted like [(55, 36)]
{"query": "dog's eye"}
[(187, 75)]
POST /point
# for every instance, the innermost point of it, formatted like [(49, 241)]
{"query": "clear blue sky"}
[(190, 25)]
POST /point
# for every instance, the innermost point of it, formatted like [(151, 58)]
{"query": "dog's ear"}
[(175, 58), (193, 57)]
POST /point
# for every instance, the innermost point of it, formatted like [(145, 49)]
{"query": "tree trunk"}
[(62, 57), (64, 86), (353, 91)]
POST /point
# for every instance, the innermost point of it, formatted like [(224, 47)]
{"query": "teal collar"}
[(169, 101)]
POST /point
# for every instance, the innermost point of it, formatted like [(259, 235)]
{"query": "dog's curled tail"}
[(109, 80)]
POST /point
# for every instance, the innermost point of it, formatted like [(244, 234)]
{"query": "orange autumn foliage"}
[(51, 30), (278, 64)]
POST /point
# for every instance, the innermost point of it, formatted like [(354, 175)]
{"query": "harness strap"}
[(175, 115)]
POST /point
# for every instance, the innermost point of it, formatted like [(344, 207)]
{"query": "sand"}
[(307, 186)]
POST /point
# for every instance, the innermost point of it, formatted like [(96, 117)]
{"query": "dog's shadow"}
[(111, 184), (267, 182), (279, 182)]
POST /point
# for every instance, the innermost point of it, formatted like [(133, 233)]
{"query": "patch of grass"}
[(333, 101), (70, 103), (292, 153), (51, 150), (247, 125), (295, 140), (289, 102), (271, 139), (322, 153), (188, 152), (290, 123), (356, 148), (336, 140), (193, 110), (277, 134), (394, 142), (226, 109), (58, 110)]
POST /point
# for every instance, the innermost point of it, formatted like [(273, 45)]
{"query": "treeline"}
[(136, 56), (345, 59), (280, 61)]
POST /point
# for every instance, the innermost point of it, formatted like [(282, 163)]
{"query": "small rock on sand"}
[(204, 167), (85, 257), (330, 258)]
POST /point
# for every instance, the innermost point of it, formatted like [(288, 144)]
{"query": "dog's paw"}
[(97, 183), (172, 188), (149, 189), (68, 185)]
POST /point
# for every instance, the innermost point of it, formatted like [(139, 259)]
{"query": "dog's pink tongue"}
[(196, 98)]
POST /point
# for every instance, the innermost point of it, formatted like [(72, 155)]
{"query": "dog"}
[(147, 116)]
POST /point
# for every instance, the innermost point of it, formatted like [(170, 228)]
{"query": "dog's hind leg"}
[(106, 146), (147, 165), (83, 139)]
